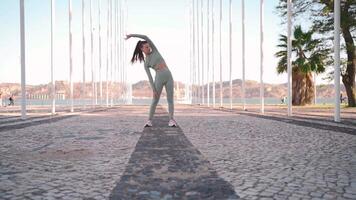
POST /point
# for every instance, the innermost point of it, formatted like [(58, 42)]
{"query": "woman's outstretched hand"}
[(127, 37)]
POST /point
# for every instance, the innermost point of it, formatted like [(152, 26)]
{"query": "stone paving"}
[(271, 159), (87, 156), (80, 157), (165, 165)]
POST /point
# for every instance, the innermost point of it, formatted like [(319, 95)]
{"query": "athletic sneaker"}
[(172, 123), (148, 123)]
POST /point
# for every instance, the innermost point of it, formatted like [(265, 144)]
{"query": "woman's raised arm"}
[(153, 46)]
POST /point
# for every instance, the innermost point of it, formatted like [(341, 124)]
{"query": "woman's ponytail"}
[(138, 55)]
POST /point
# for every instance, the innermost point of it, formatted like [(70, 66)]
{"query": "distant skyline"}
[(165, 22)]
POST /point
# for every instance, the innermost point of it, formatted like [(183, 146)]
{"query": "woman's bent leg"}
[(155, 100)]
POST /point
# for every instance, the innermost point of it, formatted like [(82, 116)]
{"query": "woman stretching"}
[(163, 76)]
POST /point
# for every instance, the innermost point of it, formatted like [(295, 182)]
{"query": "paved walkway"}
[(107, 154), (165, 165), (278, 158)]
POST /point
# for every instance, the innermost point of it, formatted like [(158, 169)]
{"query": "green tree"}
[(320, 13), (307, 56)]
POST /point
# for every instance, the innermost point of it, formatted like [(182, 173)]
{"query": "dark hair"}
[(138, 55)]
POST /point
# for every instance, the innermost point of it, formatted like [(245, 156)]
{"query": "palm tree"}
[(307, 56)]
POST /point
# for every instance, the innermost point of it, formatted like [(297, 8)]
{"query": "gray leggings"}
[(163, 78)]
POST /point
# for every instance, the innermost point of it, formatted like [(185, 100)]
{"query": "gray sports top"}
[(151, 60)]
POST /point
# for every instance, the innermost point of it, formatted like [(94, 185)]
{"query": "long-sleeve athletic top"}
[(152, 59)]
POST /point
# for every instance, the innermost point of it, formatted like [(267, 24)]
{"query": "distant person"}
[(146, 51), (0, 99), (342, 99), (284, 100), (11, 100)]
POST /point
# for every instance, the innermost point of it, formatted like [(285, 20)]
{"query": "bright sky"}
[(165, 22)]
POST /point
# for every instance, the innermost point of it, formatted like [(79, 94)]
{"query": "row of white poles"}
[(113, 43), (197, 48), (195, 68), (197, 54)]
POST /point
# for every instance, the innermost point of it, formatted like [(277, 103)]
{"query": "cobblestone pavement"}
[(80, 157), (165, 165), (85, 156), (271, 159)]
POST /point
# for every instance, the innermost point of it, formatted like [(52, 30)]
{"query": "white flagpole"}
[(189, 79), (123, 72), (70, 57), (289, 53), (94, 70), (111, 55), (118, 57), (23, 60), (220, 57), (121, 77), (194, 56), (230, 51), (128, 84), (107, 56), (198, 53), (113, 45), (212, 50), (192, 93), (53, 86), (116, 44), (208, 56), (337, 59), (91, 55), (261, 58), (101, 82), (83, 49), (243, 55), (119, 62), (202, 51), (122, 55)]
